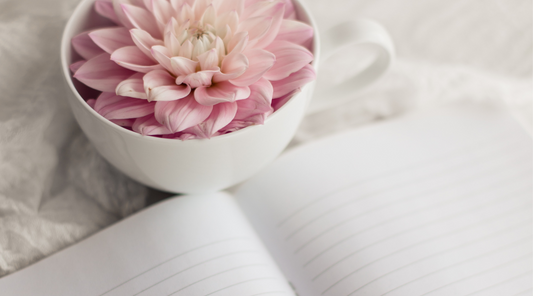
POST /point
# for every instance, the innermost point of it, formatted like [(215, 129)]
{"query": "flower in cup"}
[(193, 68)]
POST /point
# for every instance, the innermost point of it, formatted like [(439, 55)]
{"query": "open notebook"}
[(430, 204)]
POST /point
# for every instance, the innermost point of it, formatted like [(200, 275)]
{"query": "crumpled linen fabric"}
[(55, 189)]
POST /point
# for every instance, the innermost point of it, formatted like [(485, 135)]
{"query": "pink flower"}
[(193, 68)]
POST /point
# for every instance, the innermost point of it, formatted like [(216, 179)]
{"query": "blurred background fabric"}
[(55, 189)]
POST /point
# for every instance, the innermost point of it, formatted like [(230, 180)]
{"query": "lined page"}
[(191, 245), (432, 204)]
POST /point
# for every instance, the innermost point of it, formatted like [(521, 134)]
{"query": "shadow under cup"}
[(192, 166)]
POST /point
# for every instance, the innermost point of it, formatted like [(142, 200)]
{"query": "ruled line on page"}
[(343, 222), (389, 221), (468, 277), (195, 265), (405, 184), (502, 282), (459, 198), (243, 282), (504, 215), (216, 274), (423, 258), (457, 214), (172, 258), (492, 235), (404, 169), (480, 273)]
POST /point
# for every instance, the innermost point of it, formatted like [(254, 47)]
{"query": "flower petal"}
[(101, 73), (121, 16), (117, 107), (256, 27), (186, 49), (142, 19), (105, 99), (208, 60), (295, 32), (111, 39), (198, 79), (74, 67), (199, 8), (290, 13), (144, 41), (277, 17), (228, 19), (127, 108), (183, 66), (131, 57), (228, 34), (220, 92), (260, 62), (171, 41), (233, 66), (155, 79), (229, 5), (235, 125), (105, 9), (294, 81), (184, 13), (148, 126), (279, 102), (177, 4), (132, 87), (200, 46), (257, 8), (181, 114), (123, 122), (91, 103), (290, 58), (259, 101), (238, 42), (249, 2), (220, 48), (162, 55), (257, 118), (162, 11), (220, 116), (193, 132), (272, 9), (85, 47), (169, 92), (209, 16)]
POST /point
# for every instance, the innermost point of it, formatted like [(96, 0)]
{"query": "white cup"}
[(207, 165)]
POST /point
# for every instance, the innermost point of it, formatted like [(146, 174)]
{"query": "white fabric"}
[(56, 190)]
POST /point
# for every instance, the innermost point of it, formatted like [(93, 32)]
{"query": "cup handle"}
[(342, 38)]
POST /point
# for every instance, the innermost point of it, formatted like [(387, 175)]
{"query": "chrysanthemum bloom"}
[(193, 68)]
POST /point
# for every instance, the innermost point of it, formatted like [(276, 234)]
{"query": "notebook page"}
[(191, 245), (437, 203)]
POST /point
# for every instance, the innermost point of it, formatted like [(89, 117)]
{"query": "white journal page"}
[(431, 204), (191, 245)]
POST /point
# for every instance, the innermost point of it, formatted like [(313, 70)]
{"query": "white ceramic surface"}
[(198, 166)]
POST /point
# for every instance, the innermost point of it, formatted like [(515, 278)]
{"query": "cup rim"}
[(66, 47)]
